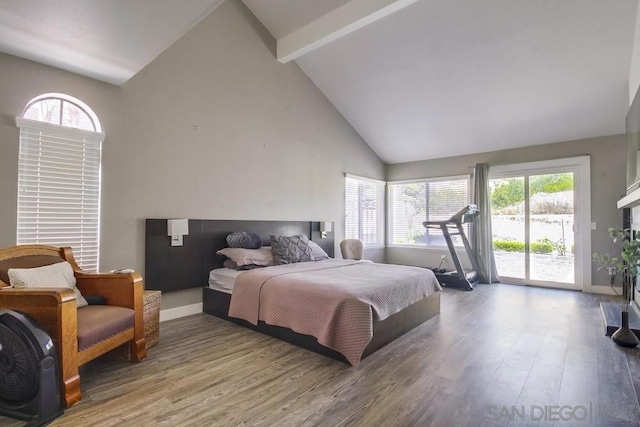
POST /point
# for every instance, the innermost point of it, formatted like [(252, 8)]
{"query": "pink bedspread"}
[(336, 301)]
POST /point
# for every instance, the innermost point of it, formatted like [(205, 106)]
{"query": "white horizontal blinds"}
[(445, 198), (59, 188), (352, 209), (364, 210), (408, 212), (412, 203)]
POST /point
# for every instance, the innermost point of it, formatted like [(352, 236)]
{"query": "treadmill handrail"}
[(469, 211)]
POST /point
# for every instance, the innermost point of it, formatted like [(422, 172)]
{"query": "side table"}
[(152, 300)]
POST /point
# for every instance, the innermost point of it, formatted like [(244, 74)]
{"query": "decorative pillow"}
[(58, 275), (318, 253), (228, 263), (240, 239), (250, 267), (290, 249), (95, 300), (243, 256)]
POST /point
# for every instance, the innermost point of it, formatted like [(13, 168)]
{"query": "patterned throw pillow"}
[(291, 249), (241, 239)]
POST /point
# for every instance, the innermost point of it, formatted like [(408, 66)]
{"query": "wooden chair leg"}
[(138, 350), (71, 390)]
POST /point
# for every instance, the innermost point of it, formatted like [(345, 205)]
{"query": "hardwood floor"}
[(492, 357)]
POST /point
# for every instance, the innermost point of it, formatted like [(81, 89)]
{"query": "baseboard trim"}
[(175, 313), (604, 290)]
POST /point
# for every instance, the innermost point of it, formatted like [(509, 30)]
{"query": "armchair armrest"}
[(47, 305), (43, 296), (124, 290), (56, 311), (51, 307)]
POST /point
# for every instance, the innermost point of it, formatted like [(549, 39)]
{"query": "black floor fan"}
[(29, 386)]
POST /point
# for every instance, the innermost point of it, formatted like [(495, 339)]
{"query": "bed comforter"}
[(335, 301)]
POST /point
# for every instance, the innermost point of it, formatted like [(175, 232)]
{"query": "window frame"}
[(380, 210), (59, 184), (64, 98), (389, 209)]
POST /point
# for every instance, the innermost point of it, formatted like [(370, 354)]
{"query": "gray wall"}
[(634, 69), (607, 186), (214, 128)]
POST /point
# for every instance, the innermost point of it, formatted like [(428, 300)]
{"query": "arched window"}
[(59, 176), (63, 110)]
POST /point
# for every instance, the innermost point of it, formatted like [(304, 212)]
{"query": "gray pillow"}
[(229, 263), (318, 253), (290, 249), (241, 239)]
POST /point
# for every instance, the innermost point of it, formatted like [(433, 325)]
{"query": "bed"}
[(341, 304), (178, 268)]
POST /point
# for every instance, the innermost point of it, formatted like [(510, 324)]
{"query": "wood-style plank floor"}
[(499, 355)]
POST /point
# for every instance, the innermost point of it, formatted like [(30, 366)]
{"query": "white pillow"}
[(318, 253), (59, 275), (242, 256)]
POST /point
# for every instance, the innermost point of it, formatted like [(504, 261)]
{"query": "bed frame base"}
[(216, 303)]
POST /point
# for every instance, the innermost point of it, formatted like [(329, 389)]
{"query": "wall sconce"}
[(176, 228), (325, 227)]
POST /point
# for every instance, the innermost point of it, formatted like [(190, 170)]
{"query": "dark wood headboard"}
[(172, 268)]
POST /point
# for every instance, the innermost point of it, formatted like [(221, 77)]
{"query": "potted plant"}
[(629, 265)]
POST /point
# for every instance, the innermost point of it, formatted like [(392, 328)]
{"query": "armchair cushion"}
[(58, 275), (99, 322)]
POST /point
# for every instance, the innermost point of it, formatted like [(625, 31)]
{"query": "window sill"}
[(425, 248), (374, 246)]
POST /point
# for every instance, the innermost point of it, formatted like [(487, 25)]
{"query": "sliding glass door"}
[(508, 224), (537, 211)]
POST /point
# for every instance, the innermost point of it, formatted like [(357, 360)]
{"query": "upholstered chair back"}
[(351, 249)]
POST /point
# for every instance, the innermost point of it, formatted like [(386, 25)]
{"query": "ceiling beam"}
[(339, 22)]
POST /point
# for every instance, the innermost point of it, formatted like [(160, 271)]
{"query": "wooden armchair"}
[(80, 335)]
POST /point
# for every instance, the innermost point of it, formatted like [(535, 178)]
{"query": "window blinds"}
[(364, 210), (411, 203), (59, 189)]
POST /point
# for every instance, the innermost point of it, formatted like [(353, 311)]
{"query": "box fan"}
[(29, 385)]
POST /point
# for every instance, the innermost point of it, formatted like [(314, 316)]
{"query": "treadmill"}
[(457, 278)]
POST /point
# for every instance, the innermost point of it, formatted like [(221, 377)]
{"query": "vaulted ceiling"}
[(107, 40), (417, 79)]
